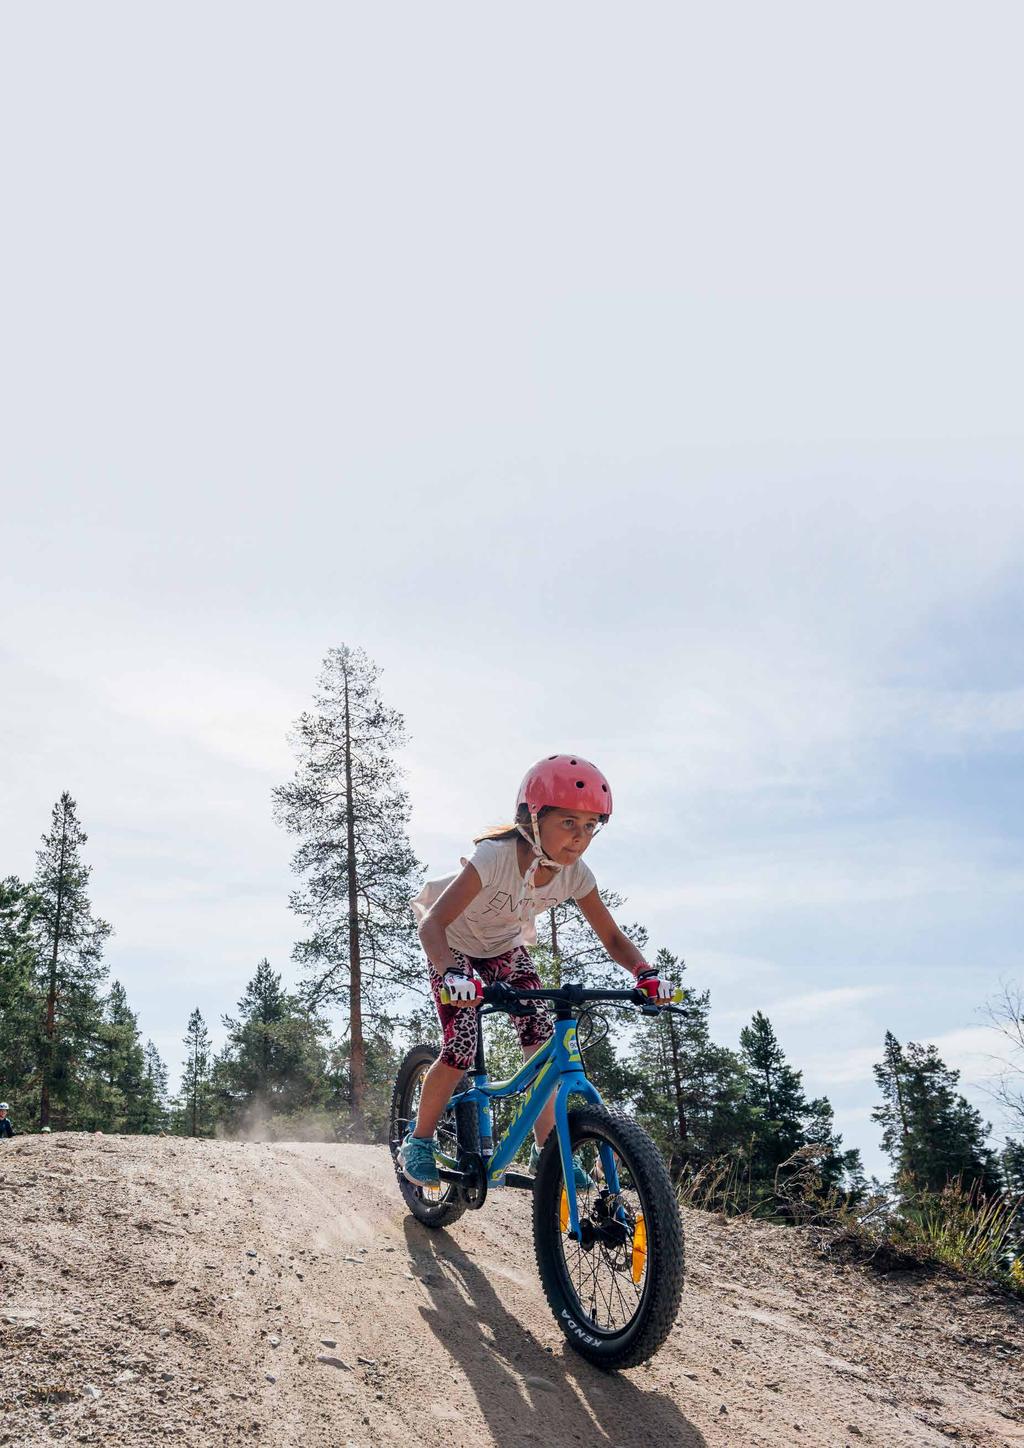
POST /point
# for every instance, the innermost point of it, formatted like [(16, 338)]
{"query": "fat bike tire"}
[(642, 1311), (457, 1132)]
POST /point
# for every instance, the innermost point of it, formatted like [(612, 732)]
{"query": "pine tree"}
[(783, 1122), (153, 1101), (273, 1061), (195, 1080), (898, 1141), (346, 804), (21, 1011), (69, 943), (931, 1133)]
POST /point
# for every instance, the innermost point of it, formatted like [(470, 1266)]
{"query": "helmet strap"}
[(539, 857)]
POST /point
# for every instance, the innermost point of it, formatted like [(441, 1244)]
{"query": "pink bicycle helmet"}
[(567, 782)]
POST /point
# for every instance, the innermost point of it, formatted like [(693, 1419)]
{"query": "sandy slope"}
[(160, 1271)]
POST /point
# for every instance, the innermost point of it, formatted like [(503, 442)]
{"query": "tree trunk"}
[(51, 992), (195, 1094), (356, 1044), (556, 958)]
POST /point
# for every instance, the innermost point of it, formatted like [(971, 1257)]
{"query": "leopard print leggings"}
[(459, 1023)]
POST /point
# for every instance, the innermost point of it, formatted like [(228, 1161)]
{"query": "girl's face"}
[(566, 833)]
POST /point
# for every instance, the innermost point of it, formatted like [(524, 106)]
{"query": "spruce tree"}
[(346, 804), (195, 1080), (69, 944), (931, 1133)]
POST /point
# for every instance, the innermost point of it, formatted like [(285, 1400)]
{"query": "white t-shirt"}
[(502, 915)]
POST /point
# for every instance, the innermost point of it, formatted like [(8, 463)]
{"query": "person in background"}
[(6, 1129)]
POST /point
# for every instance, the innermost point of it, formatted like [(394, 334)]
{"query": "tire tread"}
[(644, 1337)]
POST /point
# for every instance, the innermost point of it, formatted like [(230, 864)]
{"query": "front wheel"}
[(615, 1293)]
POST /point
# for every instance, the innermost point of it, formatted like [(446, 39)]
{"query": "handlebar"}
[(569, 994), (500, 996)]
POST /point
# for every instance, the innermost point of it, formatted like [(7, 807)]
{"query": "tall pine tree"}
[(69, 943), (346, 804)]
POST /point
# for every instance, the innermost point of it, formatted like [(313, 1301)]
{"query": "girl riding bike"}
[(475, 927)]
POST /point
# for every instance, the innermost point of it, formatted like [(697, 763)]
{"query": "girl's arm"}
[(619, 946), (446, 908)]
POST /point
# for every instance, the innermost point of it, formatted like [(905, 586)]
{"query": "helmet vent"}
[(580, 784), (572, 761)]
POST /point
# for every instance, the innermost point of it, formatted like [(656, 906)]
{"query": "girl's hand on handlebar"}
[(660, 992), (460, 990)]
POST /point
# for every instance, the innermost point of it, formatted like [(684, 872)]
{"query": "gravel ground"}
[(158, 1290)]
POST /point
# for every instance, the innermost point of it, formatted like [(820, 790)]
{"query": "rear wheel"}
[(433, 1206), (615, 1292)]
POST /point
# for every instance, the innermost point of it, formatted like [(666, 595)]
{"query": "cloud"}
[(810, 1005), (826, 870)]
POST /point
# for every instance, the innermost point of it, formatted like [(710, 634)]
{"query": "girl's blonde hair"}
[(511, 832)]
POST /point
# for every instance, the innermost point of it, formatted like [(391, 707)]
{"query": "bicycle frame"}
[(556, 1069)]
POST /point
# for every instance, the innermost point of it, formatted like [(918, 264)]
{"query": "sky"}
[(641, 384)]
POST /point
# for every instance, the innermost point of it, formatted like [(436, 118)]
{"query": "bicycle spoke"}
[(598, 1276)]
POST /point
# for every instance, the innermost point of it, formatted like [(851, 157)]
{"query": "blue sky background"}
[(646, 385)]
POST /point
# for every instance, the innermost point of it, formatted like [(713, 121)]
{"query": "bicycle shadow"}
[(568, 1400)]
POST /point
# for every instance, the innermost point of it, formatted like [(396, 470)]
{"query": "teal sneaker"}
[(584, 1181), (416, 1158)]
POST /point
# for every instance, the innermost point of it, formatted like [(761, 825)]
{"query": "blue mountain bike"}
[(610, 1254)]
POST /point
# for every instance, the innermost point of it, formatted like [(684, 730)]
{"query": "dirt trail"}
[(161, 1290)]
